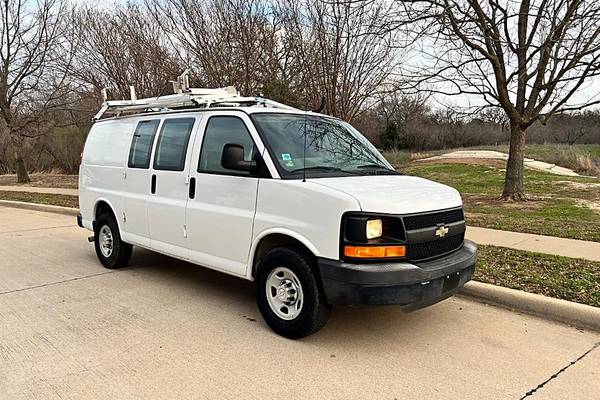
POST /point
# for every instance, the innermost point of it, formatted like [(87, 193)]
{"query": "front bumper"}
[(411, 285)]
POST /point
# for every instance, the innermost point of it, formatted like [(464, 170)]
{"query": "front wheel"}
[(111, 251), (289, 295)]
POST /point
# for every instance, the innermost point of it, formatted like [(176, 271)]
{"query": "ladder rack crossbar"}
[(192, 97)]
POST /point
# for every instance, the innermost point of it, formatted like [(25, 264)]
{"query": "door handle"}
[(153, 184), (192, 188)]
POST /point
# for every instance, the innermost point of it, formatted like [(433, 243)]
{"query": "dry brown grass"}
[(41, 198), (48, 180), (585, 165), (579, 160), (583, 159), (422, 155)]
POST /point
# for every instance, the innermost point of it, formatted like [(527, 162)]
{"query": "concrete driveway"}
[(164, 329)]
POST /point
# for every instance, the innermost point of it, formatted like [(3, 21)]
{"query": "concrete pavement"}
[(537, 243), (39, 207), (162, 328), (567, 312)]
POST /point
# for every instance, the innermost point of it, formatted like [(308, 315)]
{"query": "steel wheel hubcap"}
[(106, 241), (284, 293)]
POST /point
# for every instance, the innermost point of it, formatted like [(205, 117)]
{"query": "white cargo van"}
[(300, 203)]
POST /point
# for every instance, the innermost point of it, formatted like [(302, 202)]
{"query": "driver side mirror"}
[(233, 158)]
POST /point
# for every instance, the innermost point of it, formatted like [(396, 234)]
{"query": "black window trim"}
[(187, 144), (264, 174), (147, 165)]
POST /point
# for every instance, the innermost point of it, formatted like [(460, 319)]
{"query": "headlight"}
[(369, 236), (374, 228)]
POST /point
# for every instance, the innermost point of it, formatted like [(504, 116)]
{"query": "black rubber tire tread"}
[(121, 250), (315, 311)]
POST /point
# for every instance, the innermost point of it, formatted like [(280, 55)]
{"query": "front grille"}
[(423, 250), (432, 219)]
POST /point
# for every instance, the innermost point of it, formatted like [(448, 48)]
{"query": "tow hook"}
[(91, 239)]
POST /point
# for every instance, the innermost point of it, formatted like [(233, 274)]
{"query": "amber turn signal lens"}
[(374, 251)]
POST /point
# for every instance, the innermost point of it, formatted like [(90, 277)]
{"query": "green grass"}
[(41, 198), (560, 277), (558, 206)]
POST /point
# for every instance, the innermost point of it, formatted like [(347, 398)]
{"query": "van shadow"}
[(188, 276), (359, 325)]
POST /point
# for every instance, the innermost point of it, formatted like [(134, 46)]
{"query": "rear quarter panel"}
[(101, 172)]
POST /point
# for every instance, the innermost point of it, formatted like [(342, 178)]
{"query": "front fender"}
[(281, 231)]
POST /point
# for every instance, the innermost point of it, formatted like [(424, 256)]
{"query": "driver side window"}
[(221, 130)]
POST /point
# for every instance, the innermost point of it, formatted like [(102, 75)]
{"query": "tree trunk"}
[(22, 175), (513, 181)]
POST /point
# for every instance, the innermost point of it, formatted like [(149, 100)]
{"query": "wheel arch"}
[(101, 206), (276, 238)]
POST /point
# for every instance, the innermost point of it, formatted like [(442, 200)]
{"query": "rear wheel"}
[(289, 295), (110, 249)]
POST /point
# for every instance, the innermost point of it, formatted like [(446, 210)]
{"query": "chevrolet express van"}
[(299, 202)]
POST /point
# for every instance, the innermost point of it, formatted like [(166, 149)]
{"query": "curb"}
[(40, 207), (579, 315)]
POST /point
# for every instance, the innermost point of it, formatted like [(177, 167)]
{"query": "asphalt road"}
[(164, 329)]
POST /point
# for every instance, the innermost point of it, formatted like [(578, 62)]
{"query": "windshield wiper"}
[(374, 166), (378, 168), (319, 168)]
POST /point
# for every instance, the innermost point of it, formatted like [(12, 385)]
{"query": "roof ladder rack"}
[(184, 97)]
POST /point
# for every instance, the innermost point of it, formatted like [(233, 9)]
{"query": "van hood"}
[(395, 194)]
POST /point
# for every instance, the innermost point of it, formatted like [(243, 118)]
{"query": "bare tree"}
[(122, 47), (530, 57), (32, 70), (341, 51), (296, 51), (495, 115), (571, 128), (401, 108), (227, 42), (404, 115)]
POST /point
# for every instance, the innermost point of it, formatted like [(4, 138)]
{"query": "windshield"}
[(333, 147)]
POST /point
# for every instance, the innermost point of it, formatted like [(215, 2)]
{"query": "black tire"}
[(314, 312), (121, 251)]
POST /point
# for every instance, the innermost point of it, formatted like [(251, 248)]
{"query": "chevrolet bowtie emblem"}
[(441, 231)]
